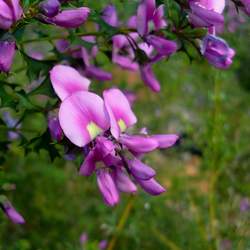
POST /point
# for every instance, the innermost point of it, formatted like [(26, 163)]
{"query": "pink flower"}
[(10, 12)]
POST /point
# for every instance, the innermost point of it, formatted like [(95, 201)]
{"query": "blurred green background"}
[(207, 173)]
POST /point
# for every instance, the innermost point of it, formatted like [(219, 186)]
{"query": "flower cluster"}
[(99, 126)]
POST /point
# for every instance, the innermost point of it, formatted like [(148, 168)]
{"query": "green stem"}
[(121, 223)]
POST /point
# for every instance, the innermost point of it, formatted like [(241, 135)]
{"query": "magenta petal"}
[(109, 15), (12, 214), (82, 117), (216, 5), (125, 62), (140, 170), (6, 18), (71, 18), (98, 73), (123, 182), (119, 110), (66, 81), (107, 187), (149, 78), (142, 20), (162, 45), (139, 143), (7, 53), (151, 186), (165, 141), (104, 146), (16, 8), (54, 127), (158, 18), (88, 166)]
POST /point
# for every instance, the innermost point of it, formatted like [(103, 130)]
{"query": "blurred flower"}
[(206, 13), (149, 78), (50, 8), (71, 18), (246, 6), (83, 238), (12, 123), (226, 244), (11, 212), (103, 244), (244, 205), (217, 52), (7, 53), (54, 126), (148, 13), (109, 15), (131, 53), (10, 12)]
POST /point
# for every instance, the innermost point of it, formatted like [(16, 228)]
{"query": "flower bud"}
[(7, 53), (50, 8), (217, 52)]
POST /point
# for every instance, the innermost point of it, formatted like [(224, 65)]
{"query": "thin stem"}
[(215, 164), (165, 240), (121, 223)]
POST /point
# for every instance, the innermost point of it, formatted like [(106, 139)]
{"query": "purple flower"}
[(54, 127), (202, 16), (140, 170), (107, 187), (149, 78), (109, 15), (244, 205), (10, 12), (99, 125), (90, 70), (11, 212), (103, 244), (7, 53), (84, 238), (163, 46), (246, 6), (50, 8), (151, 186), (72, 18), (148, 13), (217, 52)]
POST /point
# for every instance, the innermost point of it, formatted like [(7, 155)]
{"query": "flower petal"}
[(149, 78), (98, 73), (165, 141), (151, 186), (66, 81), (71, 18), (11, 212), (123, 182), (162, 45), (82, 117), (140, 170), (119, 110), (107, 187), (139, 143), (109, 15), (7, 53), (89, 164)]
